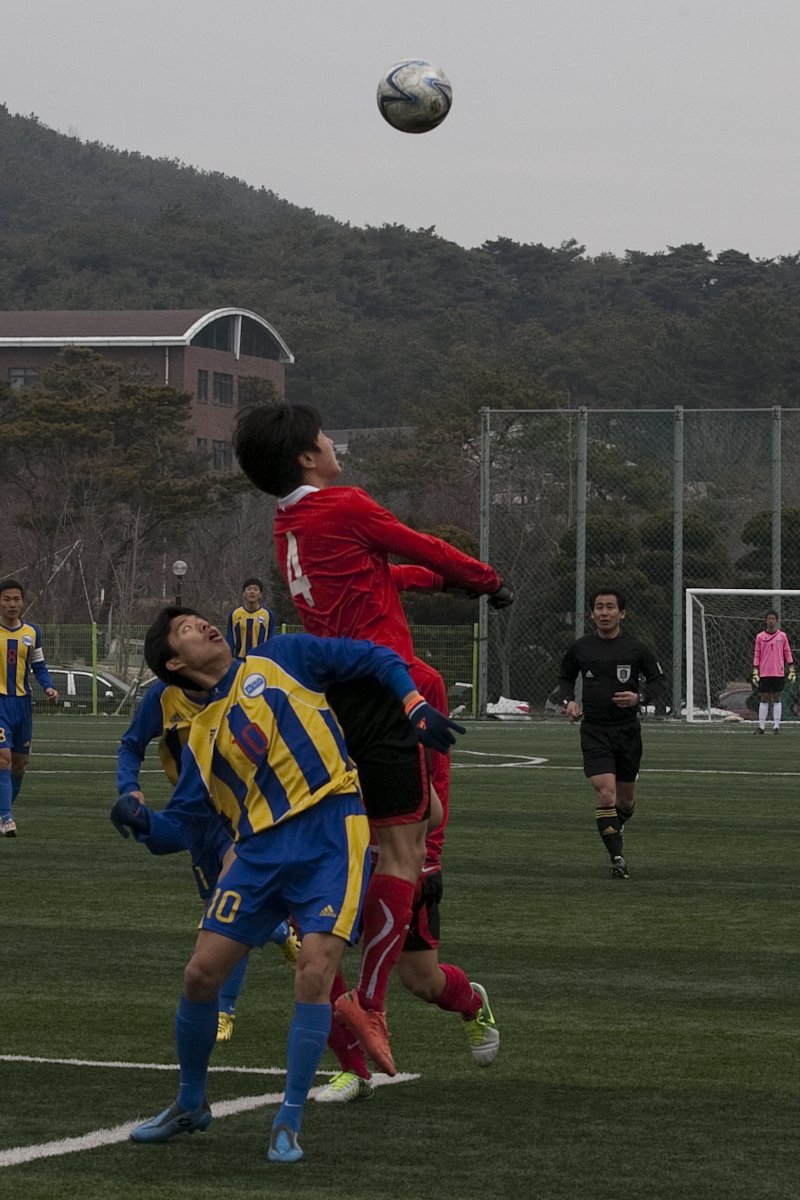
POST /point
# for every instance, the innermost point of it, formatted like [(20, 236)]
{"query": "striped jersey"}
[(246, 630), (267, 746), (164, 712), (770, 652), (20, 654)]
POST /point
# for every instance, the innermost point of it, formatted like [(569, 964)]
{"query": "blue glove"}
[(432, 728), (128, 813)]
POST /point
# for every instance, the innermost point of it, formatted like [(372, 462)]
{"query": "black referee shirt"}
[(610, 665)]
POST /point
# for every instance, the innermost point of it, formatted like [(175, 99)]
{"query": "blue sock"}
[(195, 1035), (308, 1036), (232, 987), (279, 934), (6, 793), (16, 784)]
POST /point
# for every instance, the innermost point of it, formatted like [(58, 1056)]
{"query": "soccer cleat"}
[(171, 1121), (619, 868), (290, 948), (370, 1029), (776, 731), (482, 1032), (8, 827), (225, 1026), (345, 1087), (284, 1146), (759, 732)]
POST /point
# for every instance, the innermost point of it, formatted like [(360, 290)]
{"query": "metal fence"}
[(650, 500), (101, 670)]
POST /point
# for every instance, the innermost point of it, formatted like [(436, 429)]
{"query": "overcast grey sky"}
[(626, 124)]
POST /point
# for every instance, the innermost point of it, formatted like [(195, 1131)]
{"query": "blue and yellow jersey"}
[(267, 746), (20, 654), (247, 630), (164, 712)]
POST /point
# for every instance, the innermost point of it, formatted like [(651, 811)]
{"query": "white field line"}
[(120, 1133)]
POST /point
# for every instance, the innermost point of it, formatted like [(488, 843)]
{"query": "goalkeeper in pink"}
[(771, 654)]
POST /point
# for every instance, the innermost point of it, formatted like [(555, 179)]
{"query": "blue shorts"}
[(207, 859), (314, 867), (16, 724)]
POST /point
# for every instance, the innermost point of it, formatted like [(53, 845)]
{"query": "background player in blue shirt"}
[(267, 753), (251, 624), (166, 712), (21, 654)]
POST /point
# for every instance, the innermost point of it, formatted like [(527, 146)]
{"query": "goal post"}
[(721, 625)]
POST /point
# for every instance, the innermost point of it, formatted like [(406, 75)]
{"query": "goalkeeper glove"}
[(792, 673), (432, 728), (128, 813), (755, 677)]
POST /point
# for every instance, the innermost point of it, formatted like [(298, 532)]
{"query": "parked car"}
[(74, 687), (741, 700)]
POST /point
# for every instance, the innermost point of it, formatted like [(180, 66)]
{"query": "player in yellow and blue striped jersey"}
[(21, 655), (252, 623), (267, 754), (165, 712)]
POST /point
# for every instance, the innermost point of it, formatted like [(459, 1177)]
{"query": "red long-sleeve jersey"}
[(333, 548)]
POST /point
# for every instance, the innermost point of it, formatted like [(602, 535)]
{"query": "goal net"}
[(721, 625)]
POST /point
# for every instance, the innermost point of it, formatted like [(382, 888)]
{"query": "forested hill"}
[(383, 320)]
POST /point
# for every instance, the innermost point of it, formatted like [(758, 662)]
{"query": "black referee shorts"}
[(612, 750), (392, 769)]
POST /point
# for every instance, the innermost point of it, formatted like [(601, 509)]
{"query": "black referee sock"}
[(609, 827), (623, 815)]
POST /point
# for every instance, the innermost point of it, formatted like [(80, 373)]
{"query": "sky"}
[(624, 124)]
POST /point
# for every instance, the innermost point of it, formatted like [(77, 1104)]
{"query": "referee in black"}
[(611, 664)]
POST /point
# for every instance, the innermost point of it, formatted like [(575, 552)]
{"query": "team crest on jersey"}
[(254, 685), (624, 673), (27, 640)]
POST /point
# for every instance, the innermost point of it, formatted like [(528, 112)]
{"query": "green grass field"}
[(649, 1027)]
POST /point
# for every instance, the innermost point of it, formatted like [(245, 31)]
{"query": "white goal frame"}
[(770, 595)]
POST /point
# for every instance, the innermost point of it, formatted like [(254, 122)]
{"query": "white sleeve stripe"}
[(38, 655)]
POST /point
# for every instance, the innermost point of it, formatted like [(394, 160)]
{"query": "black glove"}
[(432, 728), (128, 813), (432, 888), (502, 597)]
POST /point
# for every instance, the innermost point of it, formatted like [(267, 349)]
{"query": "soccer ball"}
[(414, 96)]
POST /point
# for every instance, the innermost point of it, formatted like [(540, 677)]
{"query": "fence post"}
[(476, 636), (677, 561), (777, 500), (483, 609), (93, 628), (581, 483)]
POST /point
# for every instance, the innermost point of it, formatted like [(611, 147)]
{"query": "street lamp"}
[(179, 569)]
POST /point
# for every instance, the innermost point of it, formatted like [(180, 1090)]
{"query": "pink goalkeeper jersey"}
[(771, 651)]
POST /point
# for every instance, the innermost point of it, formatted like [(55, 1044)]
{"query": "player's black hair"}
[(253, 579), (268, 441), (157, 650), (608, 591), (769, 613), (7, 584)]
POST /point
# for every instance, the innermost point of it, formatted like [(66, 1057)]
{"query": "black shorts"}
[(771, 683), (612, 750), (423, 929), (391, 763)]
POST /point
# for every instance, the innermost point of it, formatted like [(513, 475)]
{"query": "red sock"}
[(342, 1042), (458, 995), (387, 913)]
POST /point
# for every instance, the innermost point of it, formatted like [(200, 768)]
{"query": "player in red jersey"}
[(333, 546)]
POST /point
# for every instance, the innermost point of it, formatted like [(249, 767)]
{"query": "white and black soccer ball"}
[(414, 96)]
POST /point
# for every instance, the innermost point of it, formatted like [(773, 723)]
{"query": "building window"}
[(202, 386), (202, 445), (218, 335), (221, 454), (22, 377), (223, 389)]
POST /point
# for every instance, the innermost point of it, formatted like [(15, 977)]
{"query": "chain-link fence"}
[(98, 669), (651, 501)]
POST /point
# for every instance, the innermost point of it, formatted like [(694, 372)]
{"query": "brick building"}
[(205, 352)]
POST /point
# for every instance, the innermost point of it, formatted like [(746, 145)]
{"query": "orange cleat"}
[(370, 1029)]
